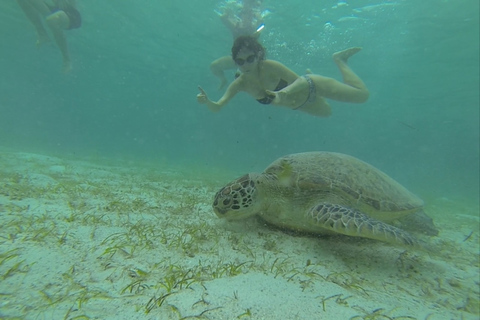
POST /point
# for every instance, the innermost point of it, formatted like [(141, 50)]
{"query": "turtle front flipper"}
[(351, 222)]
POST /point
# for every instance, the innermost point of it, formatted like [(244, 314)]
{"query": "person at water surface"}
[(270, 82), (243, 18)]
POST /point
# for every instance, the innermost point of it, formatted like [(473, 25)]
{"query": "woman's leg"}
[(34, 11), (57, 22), (353, 89), (319, 108)]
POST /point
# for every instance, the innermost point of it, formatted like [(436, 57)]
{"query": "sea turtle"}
[(325, 193)]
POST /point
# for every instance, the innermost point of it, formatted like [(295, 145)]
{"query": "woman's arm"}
[(213, 106), (297, 88), (219, 66)]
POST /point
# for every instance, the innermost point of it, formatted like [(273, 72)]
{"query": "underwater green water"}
[(108, 173), (137, 67)]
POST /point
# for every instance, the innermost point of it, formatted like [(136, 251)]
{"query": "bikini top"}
[(269, 98)]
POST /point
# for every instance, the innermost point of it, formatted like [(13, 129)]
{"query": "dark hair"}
[(248, 42)]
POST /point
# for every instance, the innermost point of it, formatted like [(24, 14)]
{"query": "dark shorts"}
[(72, 14), (74, 17)]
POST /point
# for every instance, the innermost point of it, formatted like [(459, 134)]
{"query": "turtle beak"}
[(219, 212)]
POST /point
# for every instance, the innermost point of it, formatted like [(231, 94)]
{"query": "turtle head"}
[(238, 199)]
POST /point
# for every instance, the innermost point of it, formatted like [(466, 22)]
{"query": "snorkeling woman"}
[(270, 82)]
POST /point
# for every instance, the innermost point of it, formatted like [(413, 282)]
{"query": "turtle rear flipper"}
[(351, 222), (419, 222)]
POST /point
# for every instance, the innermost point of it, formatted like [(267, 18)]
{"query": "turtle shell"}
[(339, 178)]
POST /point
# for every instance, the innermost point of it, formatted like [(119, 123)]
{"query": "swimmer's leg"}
[(34, 11), (57, 22), (349, 77)]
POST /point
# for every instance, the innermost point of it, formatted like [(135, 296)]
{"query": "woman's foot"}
[(344, 55)]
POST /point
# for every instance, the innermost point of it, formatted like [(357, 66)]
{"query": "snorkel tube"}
[(259, 29)]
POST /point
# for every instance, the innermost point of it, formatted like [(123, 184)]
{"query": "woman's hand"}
[(203, 99), (277, 96), (202, 96)]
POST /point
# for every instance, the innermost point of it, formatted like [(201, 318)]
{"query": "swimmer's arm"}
[(230, 20), (213, 106), (219, 66)]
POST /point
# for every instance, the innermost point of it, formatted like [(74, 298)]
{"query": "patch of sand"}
[(89, 240)]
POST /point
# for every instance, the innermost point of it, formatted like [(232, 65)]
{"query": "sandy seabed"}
[(97, 239)]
